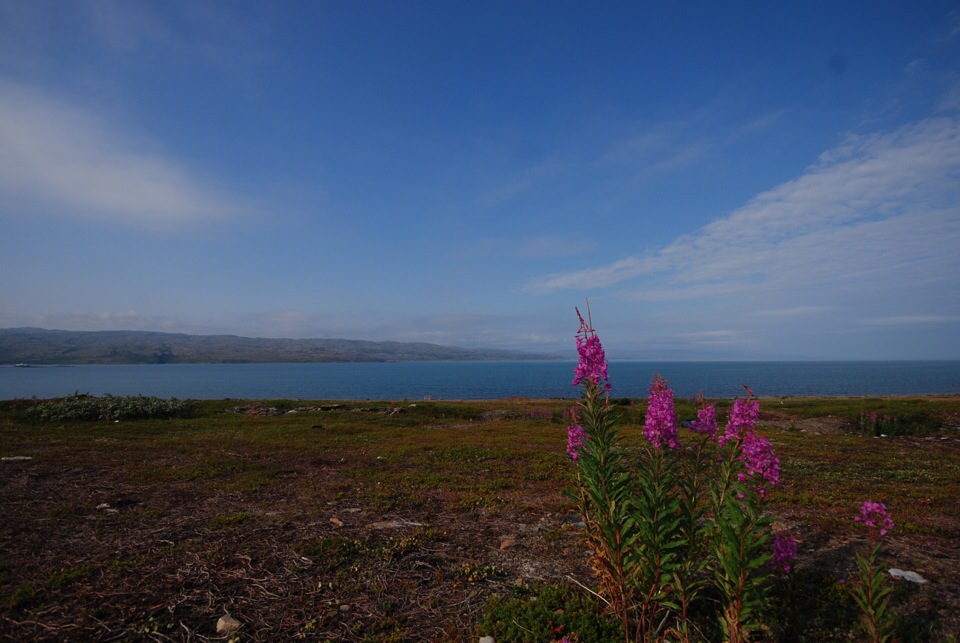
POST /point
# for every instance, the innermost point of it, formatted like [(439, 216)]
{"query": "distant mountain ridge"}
[(41, 346)]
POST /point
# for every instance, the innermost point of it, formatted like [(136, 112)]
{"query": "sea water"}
[(478, 380)]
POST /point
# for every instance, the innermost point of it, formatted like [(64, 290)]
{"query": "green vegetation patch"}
[(109, 407), (547, 614)]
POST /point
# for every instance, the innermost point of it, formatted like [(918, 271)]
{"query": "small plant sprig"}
[(870, 593)]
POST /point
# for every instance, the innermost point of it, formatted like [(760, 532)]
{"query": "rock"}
[(227, 625), (394, 524), (913, 577), (487, 639)]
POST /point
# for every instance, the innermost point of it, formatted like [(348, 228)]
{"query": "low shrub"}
[(550, 613), (109, 407)]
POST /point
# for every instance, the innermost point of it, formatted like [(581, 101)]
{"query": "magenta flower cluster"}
[(874, 515), (743, 418), (576, 437), (757, 455), (592, 366), (706, 422), (660, 425), (784, 552)]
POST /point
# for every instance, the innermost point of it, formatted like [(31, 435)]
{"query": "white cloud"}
[(55, 157), (880, 211), (598, 277)]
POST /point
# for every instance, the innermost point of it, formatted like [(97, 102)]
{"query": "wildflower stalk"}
[(657, 516), (741, 530), (871, 594), (605, 493), (689, 578)]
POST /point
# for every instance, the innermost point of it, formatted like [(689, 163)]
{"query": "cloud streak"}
[(883, 206), (55, 157)]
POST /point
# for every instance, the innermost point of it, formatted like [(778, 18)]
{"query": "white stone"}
[(487, 639), (913, 577)]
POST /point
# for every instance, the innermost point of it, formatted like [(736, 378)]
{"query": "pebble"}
[(913, 577), (227, 625)]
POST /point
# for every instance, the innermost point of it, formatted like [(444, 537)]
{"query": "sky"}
[(734, 181)]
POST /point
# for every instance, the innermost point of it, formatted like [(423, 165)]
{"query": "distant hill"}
[(40, 346)]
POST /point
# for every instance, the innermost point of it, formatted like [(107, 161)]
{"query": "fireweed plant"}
[(871, 595), (677, 528)]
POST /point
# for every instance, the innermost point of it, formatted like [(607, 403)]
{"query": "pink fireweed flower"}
[(592, 366), (757, 455), (576, 437), (873, 515), (706, 422), (784, 552), (660, 425), (743, 417)]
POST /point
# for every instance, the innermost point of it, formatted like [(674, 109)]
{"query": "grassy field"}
[(397, 521)]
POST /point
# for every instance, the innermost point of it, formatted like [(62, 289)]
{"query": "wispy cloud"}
[(912, 320), (794, 311), (56, 157), (881, 209), (656, 150), (554, 246), (538, 247), (727, 338)]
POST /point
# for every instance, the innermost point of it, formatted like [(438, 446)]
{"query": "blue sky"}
[(720, 180)]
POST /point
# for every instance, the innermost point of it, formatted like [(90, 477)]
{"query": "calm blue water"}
[(478, 380)]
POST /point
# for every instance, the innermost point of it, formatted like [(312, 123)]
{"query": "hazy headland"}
[(41, 346)]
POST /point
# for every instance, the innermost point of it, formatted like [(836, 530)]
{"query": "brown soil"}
[(153, 566)]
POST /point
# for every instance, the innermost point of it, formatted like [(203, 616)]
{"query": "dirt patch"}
[(826, 425)]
